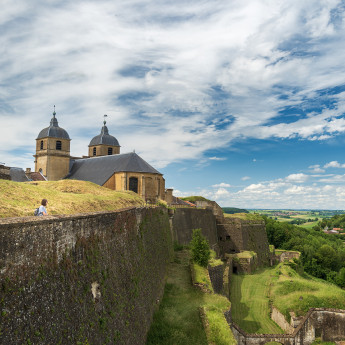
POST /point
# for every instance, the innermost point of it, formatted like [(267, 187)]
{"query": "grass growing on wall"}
[(64, 197), (178, 320)]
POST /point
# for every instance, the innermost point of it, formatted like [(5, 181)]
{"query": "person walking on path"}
[(42, 211)]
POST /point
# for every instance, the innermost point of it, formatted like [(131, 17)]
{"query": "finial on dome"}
[(54, 113), (104, 116)]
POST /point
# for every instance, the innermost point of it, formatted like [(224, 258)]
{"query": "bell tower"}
[(52, 156), (103, 144)]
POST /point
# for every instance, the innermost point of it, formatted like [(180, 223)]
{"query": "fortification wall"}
[(237, 234), (88, 279), (187, 219)]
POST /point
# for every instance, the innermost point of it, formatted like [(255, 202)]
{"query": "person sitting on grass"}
[(42, 211)]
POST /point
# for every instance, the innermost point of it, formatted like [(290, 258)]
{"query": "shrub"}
[(200, 248)]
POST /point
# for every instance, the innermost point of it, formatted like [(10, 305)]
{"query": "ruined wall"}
[(83, 279), (187, 219)]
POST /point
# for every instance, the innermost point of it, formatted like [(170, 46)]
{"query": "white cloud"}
[(222, 185), (334, 164), (316, 169), (154, 70), (218, 158), (298, 178), (245, 178)]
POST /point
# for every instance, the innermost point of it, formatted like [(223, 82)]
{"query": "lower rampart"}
[(82, 279), (327, 324), (186, 219)]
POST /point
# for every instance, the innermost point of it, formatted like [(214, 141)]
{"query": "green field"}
[(250, 302)]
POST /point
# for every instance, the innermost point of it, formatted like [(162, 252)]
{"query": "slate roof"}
[(99, 169), (53, 131), (104, 138), (36, 176), (18, 175)]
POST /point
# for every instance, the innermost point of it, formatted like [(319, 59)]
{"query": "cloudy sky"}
[(240, 101)]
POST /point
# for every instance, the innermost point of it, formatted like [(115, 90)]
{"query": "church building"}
[(104, 165)]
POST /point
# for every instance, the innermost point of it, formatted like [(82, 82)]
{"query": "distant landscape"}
[(305, 218)]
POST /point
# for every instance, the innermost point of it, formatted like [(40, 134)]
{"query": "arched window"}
[(58, 145), (41, 147), (133, 184), (94, 151), (110, 150)]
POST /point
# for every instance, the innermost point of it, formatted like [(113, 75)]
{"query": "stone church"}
[(104, 165)]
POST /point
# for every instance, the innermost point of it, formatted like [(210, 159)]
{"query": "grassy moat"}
[(178, 322)]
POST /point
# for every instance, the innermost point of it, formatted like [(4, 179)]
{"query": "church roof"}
[(99, 169), (18, 175), (104, 138), (53, 131)]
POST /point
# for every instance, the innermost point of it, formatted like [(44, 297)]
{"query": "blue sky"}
[(242, 102)]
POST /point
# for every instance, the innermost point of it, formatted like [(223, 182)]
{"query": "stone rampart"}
[(82, 279), (236, 235), (216, 276), (187, 219)]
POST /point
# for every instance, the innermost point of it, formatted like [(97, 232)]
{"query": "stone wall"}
[(82, 279), (5, 172), (237, 234), (187, 219), (280, 320), (216, 276)]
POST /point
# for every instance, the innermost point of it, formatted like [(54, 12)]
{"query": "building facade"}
[(104, 165)]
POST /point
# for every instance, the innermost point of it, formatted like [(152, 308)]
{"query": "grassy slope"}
[(250, 302), (295, 293), (177, 322), (289, 292), (64, 197), (246, 216)]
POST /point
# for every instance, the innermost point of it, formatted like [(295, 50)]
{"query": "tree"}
[(200, 248)]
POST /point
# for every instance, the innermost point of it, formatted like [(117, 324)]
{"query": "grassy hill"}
[(64, 197), (286, 290), (293, 292)]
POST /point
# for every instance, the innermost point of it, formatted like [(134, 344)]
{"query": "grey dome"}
[(104, 138), (53, 131)]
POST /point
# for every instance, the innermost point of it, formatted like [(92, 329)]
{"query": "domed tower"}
[(104, 144), (52, 156)]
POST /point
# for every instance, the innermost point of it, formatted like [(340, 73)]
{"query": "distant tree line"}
[(322, 256), (337, 221), (232, 210)]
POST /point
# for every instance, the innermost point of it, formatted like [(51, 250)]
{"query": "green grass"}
[(250, 302), (64, 197), (218, 331), (213, 259), (246, 216), (194, 198), (201, 276), (245, 254), (177, 322), (287, 290), (293, 292)]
